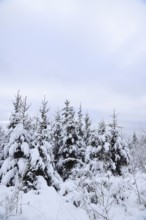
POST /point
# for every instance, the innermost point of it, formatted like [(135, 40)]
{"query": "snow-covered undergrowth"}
[(111, 198), (108, 197)]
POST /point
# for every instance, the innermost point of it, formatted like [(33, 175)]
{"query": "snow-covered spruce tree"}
[(80, 134), (133, 143), (101, 155), (14, 120), (16, 150), (69, 151), (98, 154), (97, 163), (41, 157), (134, 138), (90, 139), (87, 130), (80, 131), (57, 138), (25, 118), (16, 114), (138, 152), (102, 128), (118, 148), (2, 141), (34, 124), (16, 164), (104, 154)]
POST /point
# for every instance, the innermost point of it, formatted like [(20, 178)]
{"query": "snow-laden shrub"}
[(97, 194)]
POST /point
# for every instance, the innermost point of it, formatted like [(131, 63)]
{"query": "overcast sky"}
[(88, 51)]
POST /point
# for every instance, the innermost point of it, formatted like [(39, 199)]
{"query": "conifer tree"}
[(2, 141), (80, 134), (80, 123), (57, 138), (41, 158), (25, 119), (118, 147), (97, 153), (102, 154), (16, 115), (87, 130), (69, 151), (16, 150), (138, 153), (102, 127), (134, 138), (34, 124)]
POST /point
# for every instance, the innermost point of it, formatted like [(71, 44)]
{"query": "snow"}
[(106, 146), (34, 155), (16, 133), (99, 147), (8, 176), (25, 148), (120, 196), (21, 165), (45, 204), (8, 163), (12, 149)]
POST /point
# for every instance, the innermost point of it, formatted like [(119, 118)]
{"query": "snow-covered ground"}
[(47, 204)]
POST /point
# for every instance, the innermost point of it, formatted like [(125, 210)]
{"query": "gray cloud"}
[(88, 51)]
